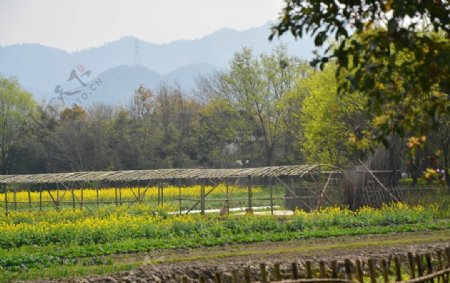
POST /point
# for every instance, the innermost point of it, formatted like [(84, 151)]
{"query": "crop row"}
[(81, 228)]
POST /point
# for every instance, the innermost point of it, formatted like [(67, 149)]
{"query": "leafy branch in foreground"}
[(395, 52)]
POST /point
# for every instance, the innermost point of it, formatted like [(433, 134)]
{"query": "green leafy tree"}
[(394, 52), (176, 117), (17, 111), (255, 86), (292, 107), (144, 133), (71, 148), (328, 120), (218, 125)]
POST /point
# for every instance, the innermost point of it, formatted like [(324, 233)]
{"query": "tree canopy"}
[(256, 87), (17, 109), (328, 120), (394, 52)]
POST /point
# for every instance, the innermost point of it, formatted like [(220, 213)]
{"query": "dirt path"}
[(162, 265)]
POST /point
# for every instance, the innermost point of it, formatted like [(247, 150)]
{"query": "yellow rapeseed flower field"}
[(109, 194), (112, 224)]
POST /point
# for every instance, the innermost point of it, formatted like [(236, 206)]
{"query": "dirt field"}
[(166, 265)]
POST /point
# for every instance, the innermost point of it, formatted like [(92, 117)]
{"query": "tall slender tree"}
[(17, 111)]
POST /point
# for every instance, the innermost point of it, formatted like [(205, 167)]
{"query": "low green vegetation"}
[(30, 240)]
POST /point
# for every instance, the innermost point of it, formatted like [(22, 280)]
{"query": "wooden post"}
[(73, 198), (447, 251), (5, 189), (139, 192), (294, 270), (120, 195), (162, 193), (96, 195), (419, 265), (15, 197), (159, 193), (429, 267), (218, 277), (277, 272), (372, 272), (202, 197), (359, 271), (439, 258), (308, 269), (228, 196), (29, 197), (398, 269), (82, 198), (271, 195), (292, 187), (429, 264), (296, 201), (57, 196), (249, 194), (40, 197), (384, 268), (348, 270), (234, 276), (334, 273), (247, 276), (116, 196), (322, 269), (412, 265), (262, 270), (179, 195)]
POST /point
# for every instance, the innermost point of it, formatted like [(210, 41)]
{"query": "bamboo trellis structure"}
[(167, 174), (287, 176)]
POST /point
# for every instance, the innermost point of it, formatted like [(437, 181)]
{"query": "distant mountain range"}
[(125, 64)]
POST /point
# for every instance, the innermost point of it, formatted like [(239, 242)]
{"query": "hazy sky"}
[(78, 24)]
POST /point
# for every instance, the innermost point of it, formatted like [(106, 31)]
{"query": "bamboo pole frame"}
[(136, 179)]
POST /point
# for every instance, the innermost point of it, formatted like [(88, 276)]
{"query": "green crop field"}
[(50, 239)]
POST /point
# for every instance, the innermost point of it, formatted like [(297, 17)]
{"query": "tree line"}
[(265, 109)]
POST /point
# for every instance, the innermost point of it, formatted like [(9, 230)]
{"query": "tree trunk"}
[(446, 165)]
